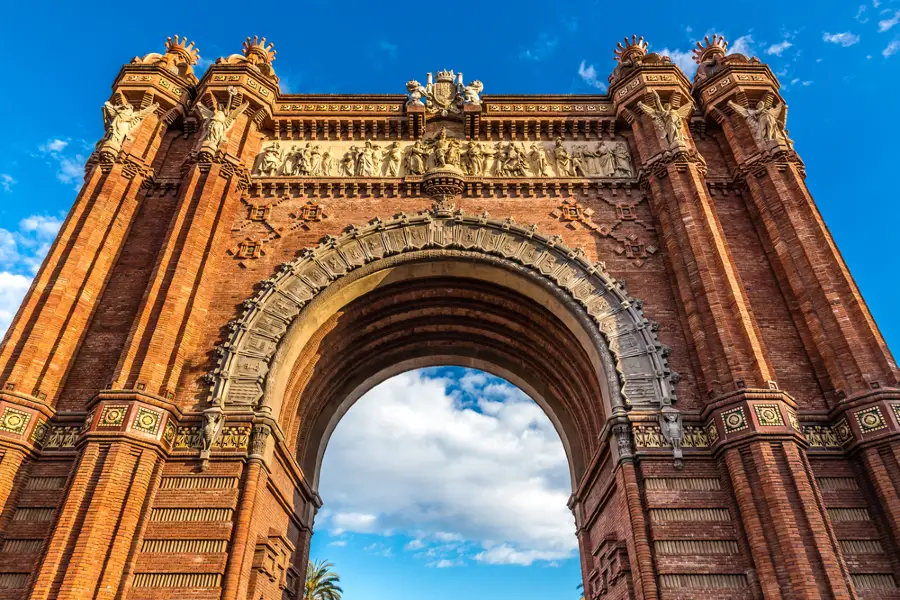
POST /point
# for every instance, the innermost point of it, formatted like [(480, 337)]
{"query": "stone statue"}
[(416, 92), (271, 160), (513, 163), (539, 160), (327, 163), (213, 421), (122, 120), (472, 159), (315, 161), (578, 162), (623, 161), (444, 150), (393, 160), (669, 121), (672, 429), (766, 122), (606, 160), (218, 121), (564, 166), (415, 160), (471, 93), (366, 160), (347, 163)]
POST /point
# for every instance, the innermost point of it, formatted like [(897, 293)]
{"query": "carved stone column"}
[(234, 98), (147, 98)]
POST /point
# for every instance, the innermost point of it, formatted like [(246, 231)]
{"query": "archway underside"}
[(438, 321)]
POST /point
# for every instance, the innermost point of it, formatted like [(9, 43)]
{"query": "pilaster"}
[(653, 96), (44, 337), (234, 98), (741, 95)]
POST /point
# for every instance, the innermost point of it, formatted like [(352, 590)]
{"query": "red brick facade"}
[(214, 303)]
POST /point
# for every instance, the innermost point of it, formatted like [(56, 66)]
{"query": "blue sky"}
[(838, 62)]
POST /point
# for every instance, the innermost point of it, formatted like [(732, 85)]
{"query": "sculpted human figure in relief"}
[(271, 160), (563, 160), (415, 160), (393, 160), (123, 120), (669, 121), (539, 160), (767, 123), (218, 121)]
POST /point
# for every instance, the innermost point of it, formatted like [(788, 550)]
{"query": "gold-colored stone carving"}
[(870, 419), (734, 420), (768, 415), (14, 421), (112, 415), (147, 421)]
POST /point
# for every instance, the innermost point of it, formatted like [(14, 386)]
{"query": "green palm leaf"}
[(322, 582)]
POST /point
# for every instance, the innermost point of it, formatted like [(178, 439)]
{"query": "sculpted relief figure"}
[(539, 161), (366, 159), (445, 151), (669, 121), (473, 159), (623, 161), (393, 160), (218, 121), (271, 161), (564, 166), (415, 160), (766, 122), (122, 120), (513, 163)]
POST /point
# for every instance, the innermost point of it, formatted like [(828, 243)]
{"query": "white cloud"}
[(477, 473), (542, 49), (886, 24), (338, 543), (876, 3), (861, 14), (54, 145), (779, 48), (845, 38), (12, 289), (6, 182), (589, 74), (891, 49), (742, 45), (23, 250), (684, 60), (70, 165)]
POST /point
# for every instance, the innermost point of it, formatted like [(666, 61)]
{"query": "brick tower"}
[(241, 265)]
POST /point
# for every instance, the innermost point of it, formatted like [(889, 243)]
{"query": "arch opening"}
[(446, 469)]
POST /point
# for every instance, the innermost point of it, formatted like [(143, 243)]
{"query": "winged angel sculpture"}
[(766, 122), (669, 121), (218, 121), (122, 120)]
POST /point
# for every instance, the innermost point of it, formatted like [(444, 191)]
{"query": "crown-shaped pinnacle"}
[(256, 47), (633, 48), (709, 48), (182, 47)]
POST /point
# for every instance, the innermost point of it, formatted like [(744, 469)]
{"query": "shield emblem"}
[(444, 93)]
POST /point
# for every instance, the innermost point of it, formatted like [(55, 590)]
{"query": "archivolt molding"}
[(642, 376)]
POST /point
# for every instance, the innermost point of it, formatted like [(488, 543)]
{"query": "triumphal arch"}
[(242, 264)]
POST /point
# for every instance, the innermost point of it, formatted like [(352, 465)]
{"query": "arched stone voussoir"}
[(641, 379)]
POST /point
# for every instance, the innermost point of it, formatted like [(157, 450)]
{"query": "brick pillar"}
[(177, 298), (844, 345), (836, 325), (724, 331), (44, 337), (94, 537), (243, 542), (794, 546)]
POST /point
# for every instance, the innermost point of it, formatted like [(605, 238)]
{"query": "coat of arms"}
[(444, 94)]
